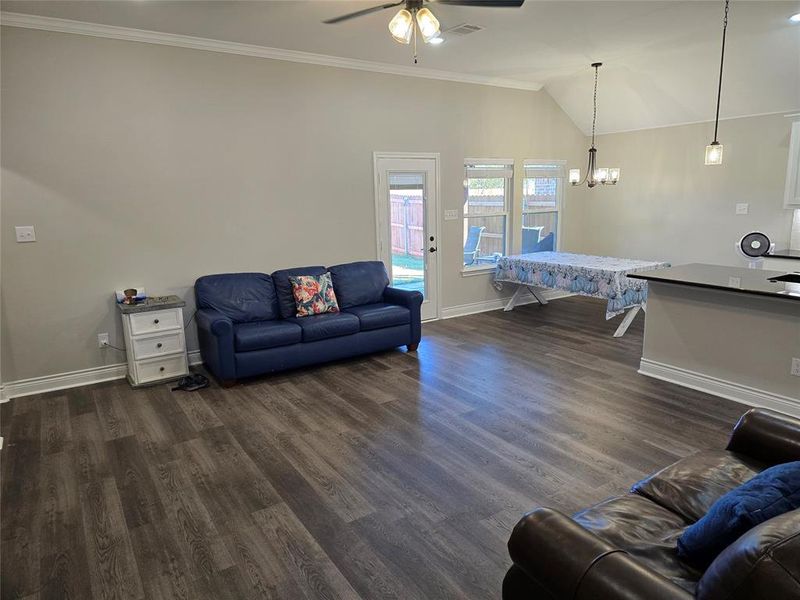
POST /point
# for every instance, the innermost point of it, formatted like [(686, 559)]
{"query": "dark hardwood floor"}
[(392, 476)]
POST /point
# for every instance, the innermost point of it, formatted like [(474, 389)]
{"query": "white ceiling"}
[(661, 57)]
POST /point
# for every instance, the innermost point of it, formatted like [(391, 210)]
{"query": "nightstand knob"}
[(161, 369), (159, 344), (155, 321)]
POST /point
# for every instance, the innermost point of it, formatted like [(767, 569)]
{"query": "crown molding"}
[(12, 19)]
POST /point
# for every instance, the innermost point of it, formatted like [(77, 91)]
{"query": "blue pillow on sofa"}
[(772, 492)]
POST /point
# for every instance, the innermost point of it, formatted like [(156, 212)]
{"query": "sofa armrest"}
[(767, 436), (215, 334), (407, 298), (413, 302), (570, 562)]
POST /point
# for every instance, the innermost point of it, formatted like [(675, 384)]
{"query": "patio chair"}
[(472, 245), (530, 238), (546, 244)]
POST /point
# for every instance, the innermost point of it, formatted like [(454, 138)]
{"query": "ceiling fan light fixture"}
[(428, 24), (436, 40), (402, 26)]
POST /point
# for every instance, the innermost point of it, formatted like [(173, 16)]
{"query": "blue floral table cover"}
[(595, 276)]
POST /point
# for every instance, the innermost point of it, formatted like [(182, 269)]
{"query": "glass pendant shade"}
[(601, 175), (402, 26), (613, 175), (574, 176), (428, 24), (714, 154)]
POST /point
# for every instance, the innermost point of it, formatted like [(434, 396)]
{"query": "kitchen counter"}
[(726, 331), (784, 254), (732, 279)]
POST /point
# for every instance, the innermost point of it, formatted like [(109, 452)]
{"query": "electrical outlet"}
[(795, 367), (25, 233), (102, 340), (742, 208)]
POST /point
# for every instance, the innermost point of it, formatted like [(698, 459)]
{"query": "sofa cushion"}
[(242, 297), (764, 562), (313, 294), (772, 492), (265, 334), (380, 314), (645, 530), (328, 325), (359, 282), (283, 288), (690, 486)]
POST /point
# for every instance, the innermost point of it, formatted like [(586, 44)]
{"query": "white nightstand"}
[(154, 340)]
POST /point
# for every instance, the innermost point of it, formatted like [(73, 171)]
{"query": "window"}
[(542, 190), (488, 186)]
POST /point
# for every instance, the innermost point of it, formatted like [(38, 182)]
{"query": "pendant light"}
[(714, 149), (594, 175)]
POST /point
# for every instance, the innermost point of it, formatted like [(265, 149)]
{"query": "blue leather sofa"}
[(247, 326)]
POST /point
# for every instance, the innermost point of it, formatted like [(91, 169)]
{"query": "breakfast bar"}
[(732, 332)]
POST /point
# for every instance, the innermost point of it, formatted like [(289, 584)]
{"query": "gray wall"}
[(670, 206), (151, 165)]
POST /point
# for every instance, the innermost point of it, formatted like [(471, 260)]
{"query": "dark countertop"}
[(784, 254), (732, 279)]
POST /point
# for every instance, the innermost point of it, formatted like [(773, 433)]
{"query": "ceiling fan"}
[(414, 16)]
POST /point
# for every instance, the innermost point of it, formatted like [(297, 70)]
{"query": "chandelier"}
[(594, 174)]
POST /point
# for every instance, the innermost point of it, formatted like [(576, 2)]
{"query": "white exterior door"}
[(406, 190)]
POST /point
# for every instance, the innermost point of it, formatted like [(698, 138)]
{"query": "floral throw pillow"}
[(313, 294)]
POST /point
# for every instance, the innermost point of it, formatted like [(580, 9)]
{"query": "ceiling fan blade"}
[(486, 3), (361, 13)]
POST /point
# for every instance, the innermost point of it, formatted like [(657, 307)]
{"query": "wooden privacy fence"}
[(408, 218)]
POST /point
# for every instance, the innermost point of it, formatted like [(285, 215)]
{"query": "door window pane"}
[(407, 221)]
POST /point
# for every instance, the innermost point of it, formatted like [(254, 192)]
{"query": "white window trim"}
[(561, 165), (487, 269)]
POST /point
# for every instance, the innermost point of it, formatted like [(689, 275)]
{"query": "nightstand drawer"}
[(155, 320), (156, 345), (168, 367)]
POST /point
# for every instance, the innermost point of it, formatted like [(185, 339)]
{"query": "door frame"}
[(382, 226)]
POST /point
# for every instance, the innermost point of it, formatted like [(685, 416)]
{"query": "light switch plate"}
[(451, 215), (742, 208), (795, 367), (25, 233)]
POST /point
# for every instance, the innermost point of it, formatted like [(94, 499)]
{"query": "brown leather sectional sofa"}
[(625, 547)]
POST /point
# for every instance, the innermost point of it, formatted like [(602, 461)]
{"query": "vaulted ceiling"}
[(661, 58)]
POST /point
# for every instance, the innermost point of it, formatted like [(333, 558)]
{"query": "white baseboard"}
[(62, 381), (472, 308), (720, 387)]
